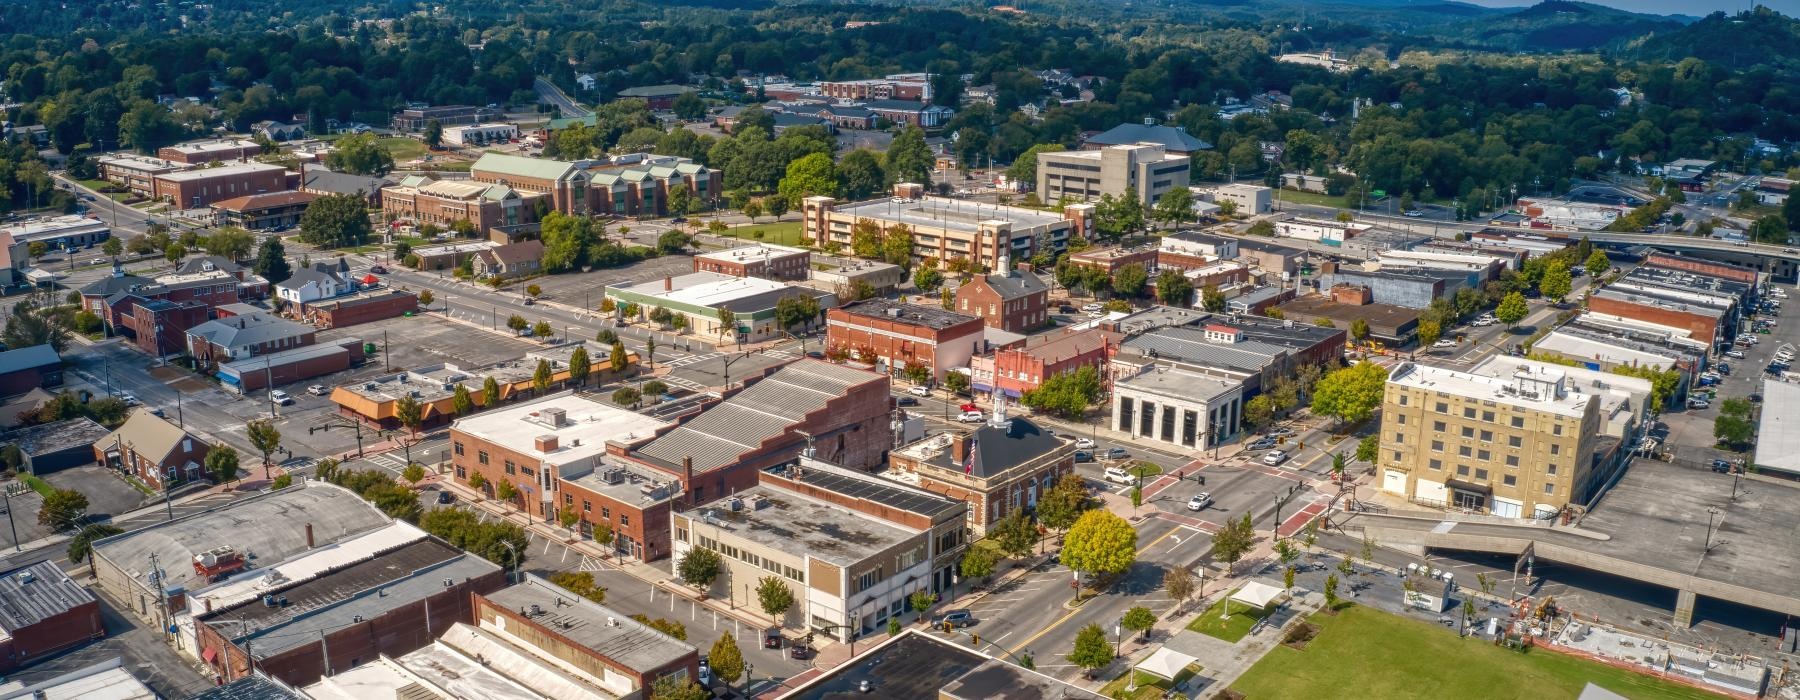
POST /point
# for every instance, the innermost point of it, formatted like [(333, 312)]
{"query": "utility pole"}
[(162, 594), (269, 380), (6, 494)]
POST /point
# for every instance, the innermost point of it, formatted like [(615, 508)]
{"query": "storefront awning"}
[(1470, 487)]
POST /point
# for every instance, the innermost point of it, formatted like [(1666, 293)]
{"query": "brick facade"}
[(897, 341), (1702, 328), (159, 327), (198, 188), (1016, 315)]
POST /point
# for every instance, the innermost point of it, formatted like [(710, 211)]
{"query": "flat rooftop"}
[(1380, 316), (761, 252), (932, 317), (802, 526), (1778, 439), (1662, 302), (1489, 388), (1180, 384), (863, 486), (917, 665), (1584, 349), (711, 290), (1184, 344), (34, 229), (581, 433), (271, 526), (250, 585), (213, 146), (952, 214), (594, 626), (55, 437), (767, 409), (224, 171), (1687, 280)]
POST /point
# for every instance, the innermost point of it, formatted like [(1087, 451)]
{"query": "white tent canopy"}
[(1165, 663), (1256, 594)]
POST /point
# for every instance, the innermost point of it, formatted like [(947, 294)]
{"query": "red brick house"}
[(760, 260), (42, 612), (899, 334), (154, 450), (1016, 300), (243, 336)]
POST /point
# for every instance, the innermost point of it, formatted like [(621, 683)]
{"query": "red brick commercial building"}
[(362, 307), (24, 369), (242, 336), (632, 184), (390, 604), (210, 151), (898, 334), (1702, 267), (154, 450), (263, 211), (1702, 323), (157, 326), (1015, 463), (42, 612), (1111, 260), (288, 366), (200, 187), (760, 260), (1022, 368), (445, 202), (1015, 300), (579, 633), (915, 89)]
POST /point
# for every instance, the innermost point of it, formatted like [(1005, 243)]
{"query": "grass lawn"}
[(1231, 629), (780, 233), (1314, 198), (1145, 469), (403, 149), (1387, 656), (1148, 687)]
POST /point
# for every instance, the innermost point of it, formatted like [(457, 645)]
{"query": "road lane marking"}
[(1065, 618)]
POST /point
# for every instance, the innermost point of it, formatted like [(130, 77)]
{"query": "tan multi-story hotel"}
[(946, 229)]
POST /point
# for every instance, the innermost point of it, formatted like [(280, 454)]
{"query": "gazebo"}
[(1165, 663), (1255, 594)]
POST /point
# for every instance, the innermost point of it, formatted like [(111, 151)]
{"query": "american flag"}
[(969, 456)]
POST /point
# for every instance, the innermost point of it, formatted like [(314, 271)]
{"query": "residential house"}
[(153, 450), (321, 281), (509, 260)]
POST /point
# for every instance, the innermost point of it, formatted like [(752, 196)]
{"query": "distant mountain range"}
[(1758, 37)]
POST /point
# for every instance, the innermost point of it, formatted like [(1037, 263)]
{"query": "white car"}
[(1084, 444), (317, 390), (919, 391), (1199, 501), (1738, 354), (971, 417), (1275, 458), (1091, 308), (1119, 475), (1445, 343), (280, 397), (1481, 322), (1414, 213)]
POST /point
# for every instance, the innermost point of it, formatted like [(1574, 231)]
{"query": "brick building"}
[(760, 260), (899, 334), (445, 202), (42, 612), (204, 186), (657, 97), (915, 88), (631, 184), (137, 174), (24, 369), (243, 336), (623, 655), (157, 326), (262, 211), (1702, 323), (210, 151), (1111, 259), (157, 452), (947, 229), (417, 118), (1000, 467), (288, 366), (1703, 267), (1021, 368), (1015, 300)]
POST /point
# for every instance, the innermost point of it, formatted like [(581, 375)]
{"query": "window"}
[(1468, 411), (681, 534), (1400, 438), (1443, 407), (1484, 455), (1397, 455), (606, 512), (1512, 460), (1518, 421), (1437, 464), (1465, 451), (1556, 429), (1468, 432), (1481, 475), (1509, 480), (1515, 441), (459, 448), (867, 581), (509, 466), (587, 506), (1462, 470), (1403, 398), (1400, 419), (1487, 436), (1549, 488), (1437, 445), (527, 471), (460, 474), (624, 520), (481, 457), (1556, 449), (1437, 426), (1552, 470), (1487, 416)]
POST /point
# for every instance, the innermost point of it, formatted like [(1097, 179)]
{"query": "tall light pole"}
[(1712, 516)]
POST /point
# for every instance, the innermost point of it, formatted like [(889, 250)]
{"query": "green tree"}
[(461, 402), (335, 221), (860, 174), (230, 242), (1092, 651), (897, 246), (1175, 289), (699, 567), (1024, 167), (774, 597), (1557, 281), (908, 158), (1262, 227), (1368, 449), (1359, 329), (865, 238), (1016, 534), (1118, 217), (62, 508), (1259, 411), (542, 376), (1100, 543), (410, 413), (490, 393), (726, 659), (1138, 619), (580, 583), (579, 366), (434, 135), (1066, 394), (672, 687), (689, 106), (1331, 596), (112, 247), (1662, 382), (1512, 309), (1351, 394), (1175, 207), (271, 261), (795, 310), (956, 382), (1063, 504), (1770, 229), (753, 208), (1429, 332), (625, 396), (1233, 541), (222, 464), (359, 154), (1597, 263), (977, 563), (174, 252), (1129, 281), (264, 437), (811, 175), (617, 359), (1733, 425), (920, 601)]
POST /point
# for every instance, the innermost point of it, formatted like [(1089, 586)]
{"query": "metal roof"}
[(249, 329), (591, 625), (869, 488), (539, 168), (37, 593), (55, 437), (765, 410), (29, 358), (1169, 137), (1778, 438)]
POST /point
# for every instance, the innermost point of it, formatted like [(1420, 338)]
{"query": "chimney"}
[(545, 443), (959, 446), (668, 283), (309, 536), (1024, 267)]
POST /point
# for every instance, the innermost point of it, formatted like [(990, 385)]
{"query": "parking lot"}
[(1689, 430), (583, 289), (424, 339)]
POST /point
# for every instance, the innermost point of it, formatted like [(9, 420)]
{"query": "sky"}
[(1695, 8)]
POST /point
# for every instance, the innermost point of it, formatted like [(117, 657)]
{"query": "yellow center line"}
[(1072, 613)]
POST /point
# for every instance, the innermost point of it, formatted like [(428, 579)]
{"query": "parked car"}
[(445, 497), (1445, 343), (1084, 443), (1117, 453), (1091, 308), (706, 673), (971, 417), (1199, 501), (97, 261), (1275, 458), (280, 397), (1721, 466), (1739, 354), (378, 269), (771, 638), (956, 618), (1260, 444), (918, 391), (1083, 456), (1066, 309), (129, 398), (530, 301), (1281, 432), (317, 390), (906, 401), (1414, 213), (800, 652), (1694, 404), (1119, 475)]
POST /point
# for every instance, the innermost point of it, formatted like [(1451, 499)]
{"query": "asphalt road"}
[(549, 93)]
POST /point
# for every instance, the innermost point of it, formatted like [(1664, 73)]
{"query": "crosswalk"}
[(691, 359), (683, 383), (388, 461)]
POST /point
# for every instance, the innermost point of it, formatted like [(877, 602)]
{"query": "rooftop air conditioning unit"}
[(613, 476), (736, 504)]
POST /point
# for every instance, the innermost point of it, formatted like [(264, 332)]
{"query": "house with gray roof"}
[(1002, 466), (320, 181), (246, 335), (1014, 299)]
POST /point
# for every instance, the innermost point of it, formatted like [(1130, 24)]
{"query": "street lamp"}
[(513, 560), (1712, 516)]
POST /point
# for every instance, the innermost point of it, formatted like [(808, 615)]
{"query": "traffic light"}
[(974, 639), (949, 627)]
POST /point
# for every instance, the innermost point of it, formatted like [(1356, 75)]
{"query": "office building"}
[(946, 229), (902, 334), (1085, 176)]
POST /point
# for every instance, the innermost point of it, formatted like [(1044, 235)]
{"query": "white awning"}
[(1256, 594), (1165, 663)]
